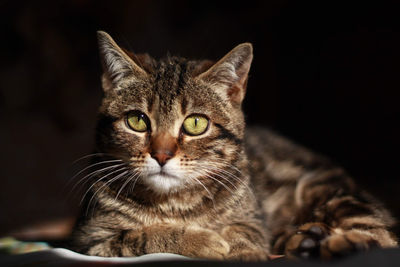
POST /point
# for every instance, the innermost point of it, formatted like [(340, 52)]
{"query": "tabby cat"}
[(177, 171)]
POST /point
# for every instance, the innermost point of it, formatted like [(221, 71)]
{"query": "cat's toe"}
[(217, 249), (347, 243), (308, 244), (302, 245), (315, 240), (201, 243), (318, 231), (305, 243)]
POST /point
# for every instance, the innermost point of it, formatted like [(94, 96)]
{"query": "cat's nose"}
[(162, 156), (163, 147)]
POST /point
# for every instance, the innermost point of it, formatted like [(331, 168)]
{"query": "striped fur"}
[(299, 191), (233, 194)]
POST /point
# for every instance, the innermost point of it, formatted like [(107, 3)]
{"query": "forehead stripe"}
[(171, 77), (182, 77)]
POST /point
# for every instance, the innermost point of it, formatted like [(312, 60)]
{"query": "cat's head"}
[(177, 123)]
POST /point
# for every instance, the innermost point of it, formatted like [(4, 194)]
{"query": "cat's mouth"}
[(162, 179), (163, 174), (163, 182)]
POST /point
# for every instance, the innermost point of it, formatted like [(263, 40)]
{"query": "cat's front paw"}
[(202, 243), (317, 240), (248, 255)]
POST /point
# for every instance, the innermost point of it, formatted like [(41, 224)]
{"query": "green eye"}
[(195, 124), (137, 121)]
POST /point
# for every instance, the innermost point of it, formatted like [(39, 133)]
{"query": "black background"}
[(325, 73)]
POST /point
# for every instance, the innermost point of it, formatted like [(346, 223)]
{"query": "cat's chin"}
[(162, 180), (163, 183)]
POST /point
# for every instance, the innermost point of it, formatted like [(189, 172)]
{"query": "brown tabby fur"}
[(254, 193)]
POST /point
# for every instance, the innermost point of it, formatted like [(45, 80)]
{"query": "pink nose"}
[(162, 156), (163, 147)]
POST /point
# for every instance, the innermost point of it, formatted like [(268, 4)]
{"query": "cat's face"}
[(177, 123)]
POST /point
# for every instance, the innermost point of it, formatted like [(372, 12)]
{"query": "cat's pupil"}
[(195, 121)]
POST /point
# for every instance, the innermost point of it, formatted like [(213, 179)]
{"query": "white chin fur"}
[(163, 184), (168, 181)]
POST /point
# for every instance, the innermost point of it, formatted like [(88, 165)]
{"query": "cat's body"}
[(189, 179)]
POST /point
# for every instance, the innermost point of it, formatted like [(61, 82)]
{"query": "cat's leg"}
[(188, 241), (247, 242), (334, 219)]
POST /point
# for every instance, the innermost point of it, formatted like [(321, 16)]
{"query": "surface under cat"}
[(176, 170)]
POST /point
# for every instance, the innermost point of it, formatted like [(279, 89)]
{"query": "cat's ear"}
[(117, 65), (229, 75)]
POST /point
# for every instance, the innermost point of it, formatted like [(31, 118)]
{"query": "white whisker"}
[(103, 187), (134, 183), (232, 176), (101, 178), (125, 183), (95, 172), (88, 156), (205, 188), (91, 166)]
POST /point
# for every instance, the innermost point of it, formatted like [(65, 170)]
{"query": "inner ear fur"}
[(229, 75), (117, 64)]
